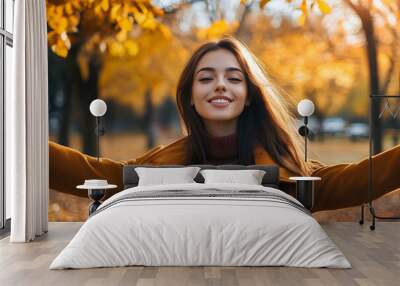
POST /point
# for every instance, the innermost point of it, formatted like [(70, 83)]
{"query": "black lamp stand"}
[(370, 166), (99, 131), (304, 131), (96, 194)]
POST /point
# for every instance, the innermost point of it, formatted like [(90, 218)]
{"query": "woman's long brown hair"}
[(266, 121)]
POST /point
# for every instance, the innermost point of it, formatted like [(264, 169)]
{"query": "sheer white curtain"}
[(27, 124)]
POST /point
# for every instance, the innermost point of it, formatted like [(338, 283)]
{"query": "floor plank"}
[(374, 255)]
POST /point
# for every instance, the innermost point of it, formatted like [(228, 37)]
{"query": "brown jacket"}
[(342, 185)]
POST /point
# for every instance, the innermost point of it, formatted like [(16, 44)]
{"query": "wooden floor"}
[(375, 256)]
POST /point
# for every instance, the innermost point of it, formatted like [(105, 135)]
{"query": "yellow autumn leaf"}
[(157, 11), (117, 49), (127, 9), (387, 2), (201, 34), (125, 24), (142, 7), (218, 27), (304, 7), (323, 6), (216, 30), (64, 37), (59, 48), (105, 5), (115, 12), (263, 3), (122, 35), (139, 17), (131, 47), (149, 23), (98, 10), (58, 10), (69, 10), (52, 38), (76, 3), (165, 31), (73, 22), (302, 19), (59, 24)]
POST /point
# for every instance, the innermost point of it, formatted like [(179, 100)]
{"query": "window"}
[(6, 63)]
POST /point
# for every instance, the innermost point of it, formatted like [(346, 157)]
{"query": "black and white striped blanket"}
[(205, 194)]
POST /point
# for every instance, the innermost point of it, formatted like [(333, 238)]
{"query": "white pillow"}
[(249, 177), (162, 176)]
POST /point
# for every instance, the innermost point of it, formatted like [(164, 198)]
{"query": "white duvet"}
[(190, 230)]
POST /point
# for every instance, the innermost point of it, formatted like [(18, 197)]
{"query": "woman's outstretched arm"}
[(346, 185), (69, 168)]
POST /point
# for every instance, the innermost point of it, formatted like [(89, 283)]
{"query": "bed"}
[(201, 224)]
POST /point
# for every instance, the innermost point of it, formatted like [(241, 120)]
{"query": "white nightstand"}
[(96, 190), (305, 190)]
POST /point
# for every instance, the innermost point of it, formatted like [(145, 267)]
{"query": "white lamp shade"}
[(305, 107), (98, 107)]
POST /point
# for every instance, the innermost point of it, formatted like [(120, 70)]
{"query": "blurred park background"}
[(130, 54)]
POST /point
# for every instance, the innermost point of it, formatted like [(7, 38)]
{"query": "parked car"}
[(356, 131), (334, 126)]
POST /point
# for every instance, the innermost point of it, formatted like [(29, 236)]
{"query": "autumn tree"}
[(154, 74), (306, 62), (369, 13), (81, 31), (85, 32)]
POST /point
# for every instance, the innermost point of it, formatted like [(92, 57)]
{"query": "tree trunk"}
[(63, 135), (89, 91), (149, 120), (376, 124), (71, 76), (57, 87), (372, 55)]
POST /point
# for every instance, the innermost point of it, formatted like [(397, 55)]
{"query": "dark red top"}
[(223, 149)]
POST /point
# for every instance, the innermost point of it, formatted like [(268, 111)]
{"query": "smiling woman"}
[(234, 115), (219, 82), (223, 91)]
